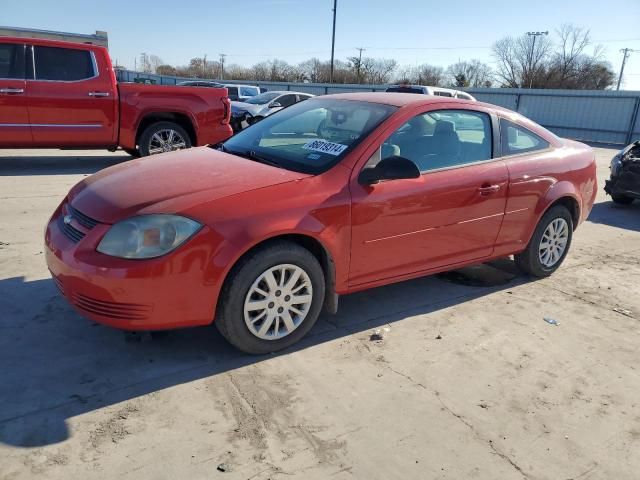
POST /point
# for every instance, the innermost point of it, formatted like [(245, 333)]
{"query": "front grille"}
[(82, 219), (71, 232), (118, 311)]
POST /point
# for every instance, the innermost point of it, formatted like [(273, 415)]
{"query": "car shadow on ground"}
[(67, 164), (621, 216), (58, 365)]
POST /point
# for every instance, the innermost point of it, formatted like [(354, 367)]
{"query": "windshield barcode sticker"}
[(325, 147)]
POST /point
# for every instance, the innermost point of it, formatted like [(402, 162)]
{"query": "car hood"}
[(171, 183), (242, 107)]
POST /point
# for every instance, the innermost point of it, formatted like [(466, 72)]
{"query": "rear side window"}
[(405, 90), (232, 92), (11, 60), (62, 64), (248, 91), (442, 94), (516, 139), (287, 100)]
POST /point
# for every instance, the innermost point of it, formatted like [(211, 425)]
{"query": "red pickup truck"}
[(65, 95)]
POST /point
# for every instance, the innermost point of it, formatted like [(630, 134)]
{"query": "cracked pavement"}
[(467, 381)]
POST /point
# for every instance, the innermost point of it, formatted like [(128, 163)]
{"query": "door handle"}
[(12, 91), (488, 189), (98, 94)]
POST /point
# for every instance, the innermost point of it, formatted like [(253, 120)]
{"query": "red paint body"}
[(63, 114), (373, 235)]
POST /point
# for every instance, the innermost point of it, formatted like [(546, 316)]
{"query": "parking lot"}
[(465, 378)]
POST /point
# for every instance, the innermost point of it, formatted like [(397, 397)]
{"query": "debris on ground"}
[(483, 405), (624, 311), (551, 321), (223, 467), (378, 334), (439, 337)]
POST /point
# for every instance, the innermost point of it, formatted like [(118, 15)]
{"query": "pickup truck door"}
[(14, 120), (72, 98)]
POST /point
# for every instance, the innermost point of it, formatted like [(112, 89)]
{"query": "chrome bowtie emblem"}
[(67, 219)]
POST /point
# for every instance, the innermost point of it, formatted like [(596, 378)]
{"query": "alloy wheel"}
[(166, 140), (278, 301), (554, 242)]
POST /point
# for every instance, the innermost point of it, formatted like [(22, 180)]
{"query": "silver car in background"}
[(256, 108)]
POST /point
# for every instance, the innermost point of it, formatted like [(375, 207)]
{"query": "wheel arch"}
[(560, 193), (308, 242), (180, 118)]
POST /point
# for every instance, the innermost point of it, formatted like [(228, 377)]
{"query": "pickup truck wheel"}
[(163, 137), (272, 298), (132, 151), (622, 199), (549, 244)]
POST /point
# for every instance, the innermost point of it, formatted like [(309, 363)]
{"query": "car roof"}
[(282, 92), (52, 43), (398, 99)]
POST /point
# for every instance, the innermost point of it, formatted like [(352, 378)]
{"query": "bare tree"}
[(521, 61), (424, 74), (154, 62), (472, 73)]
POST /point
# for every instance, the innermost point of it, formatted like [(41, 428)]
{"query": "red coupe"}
[(333, 195)]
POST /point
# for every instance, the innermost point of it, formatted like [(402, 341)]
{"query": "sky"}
[(250, 31)]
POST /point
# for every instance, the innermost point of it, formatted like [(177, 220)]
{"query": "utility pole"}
[(222, 56), (533, 49), (625, 55), (204, 66), (333, 39), (359, 61)]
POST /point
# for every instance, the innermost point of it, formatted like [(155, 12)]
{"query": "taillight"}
[(226, 103)]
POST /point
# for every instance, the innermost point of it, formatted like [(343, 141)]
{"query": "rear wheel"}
[(271, 299), (622, 199), (132, 151), (163, 137), (549, 244)]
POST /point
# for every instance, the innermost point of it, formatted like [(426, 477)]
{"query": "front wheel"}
[(549, 244), (271, 299), (163, 137)]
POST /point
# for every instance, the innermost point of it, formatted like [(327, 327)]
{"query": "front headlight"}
[(147, 236), (616, 163)]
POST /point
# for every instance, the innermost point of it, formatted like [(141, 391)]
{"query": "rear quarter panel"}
[(537, 181), (204, 108)]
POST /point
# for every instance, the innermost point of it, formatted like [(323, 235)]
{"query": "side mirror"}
[(275, 105), (390, 168)]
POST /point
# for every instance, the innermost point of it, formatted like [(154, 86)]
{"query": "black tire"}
[(144, 143), (622, 199), (529, 260), (132, 151), (230, 314)]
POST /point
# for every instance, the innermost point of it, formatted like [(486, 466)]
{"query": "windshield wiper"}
[(252, 155)]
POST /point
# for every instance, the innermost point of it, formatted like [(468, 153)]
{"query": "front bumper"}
[(168, 292)]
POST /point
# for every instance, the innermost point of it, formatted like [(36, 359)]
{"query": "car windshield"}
[(406, 89), (310, 136), (263, 98)]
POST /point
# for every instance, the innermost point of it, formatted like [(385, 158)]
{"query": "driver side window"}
[(440, 139)]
